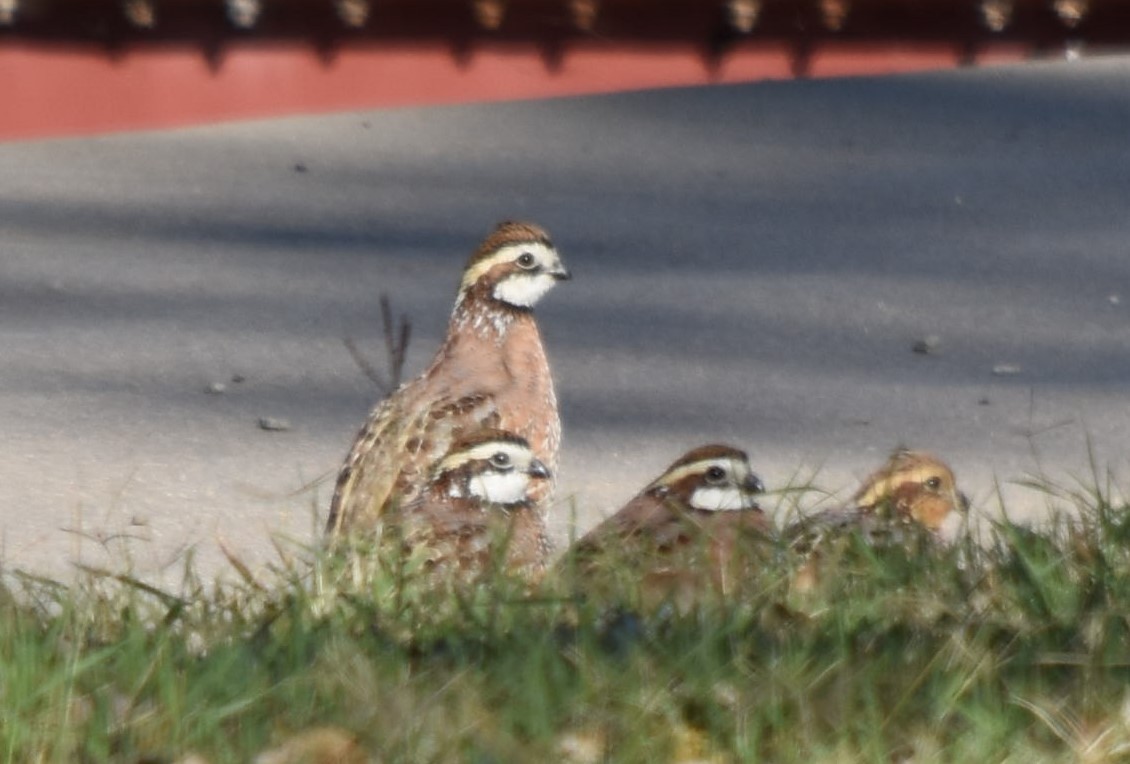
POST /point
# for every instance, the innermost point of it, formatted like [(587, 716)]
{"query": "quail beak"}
[(752, 486), (560, 272), (962, 503), (538, 470)]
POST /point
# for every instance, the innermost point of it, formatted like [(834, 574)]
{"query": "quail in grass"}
[(491, 371), (911, 488), (477, 513), (905, 501), (687, 532)]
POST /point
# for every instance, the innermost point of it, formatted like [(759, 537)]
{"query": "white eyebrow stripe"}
[(519, 455), (700, 468), (505, 255)]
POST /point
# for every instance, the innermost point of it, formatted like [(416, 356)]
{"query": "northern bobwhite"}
[(477, 513), (685, 531), (911, 488), (490, 371), (904, 502)]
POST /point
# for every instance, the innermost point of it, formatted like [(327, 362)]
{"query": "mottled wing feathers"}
[(463, 538), (409, 445), (644, 511), (807, 533), (657, 524), (490, 371)]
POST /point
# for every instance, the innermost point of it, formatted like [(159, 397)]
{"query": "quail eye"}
[(715, 475), (934, 483), (526, 260), (501, 461)]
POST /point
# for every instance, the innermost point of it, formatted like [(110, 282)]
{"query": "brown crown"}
[(506, 233), (674, 483), (478, 436), (712, 451)]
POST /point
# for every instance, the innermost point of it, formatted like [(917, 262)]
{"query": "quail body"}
[(491, 371), (911, 489), (477, 513), (905, 503), (686, 530)]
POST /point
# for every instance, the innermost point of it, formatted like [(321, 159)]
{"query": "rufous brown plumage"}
[(686, 529), (477, 514), (491, 371)]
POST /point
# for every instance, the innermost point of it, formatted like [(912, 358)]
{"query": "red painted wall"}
[(52, 91), (82, 66)]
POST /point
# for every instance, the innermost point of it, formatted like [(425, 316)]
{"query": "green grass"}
[(1010, 648)]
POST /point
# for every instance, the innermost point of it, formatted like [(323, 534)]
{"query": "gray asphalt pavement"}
[(752, 264)]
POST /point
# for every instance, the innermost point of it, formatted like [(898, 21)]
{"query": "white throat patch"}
[(524, 287), (523, 290), (494, 487), (726, 498)]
